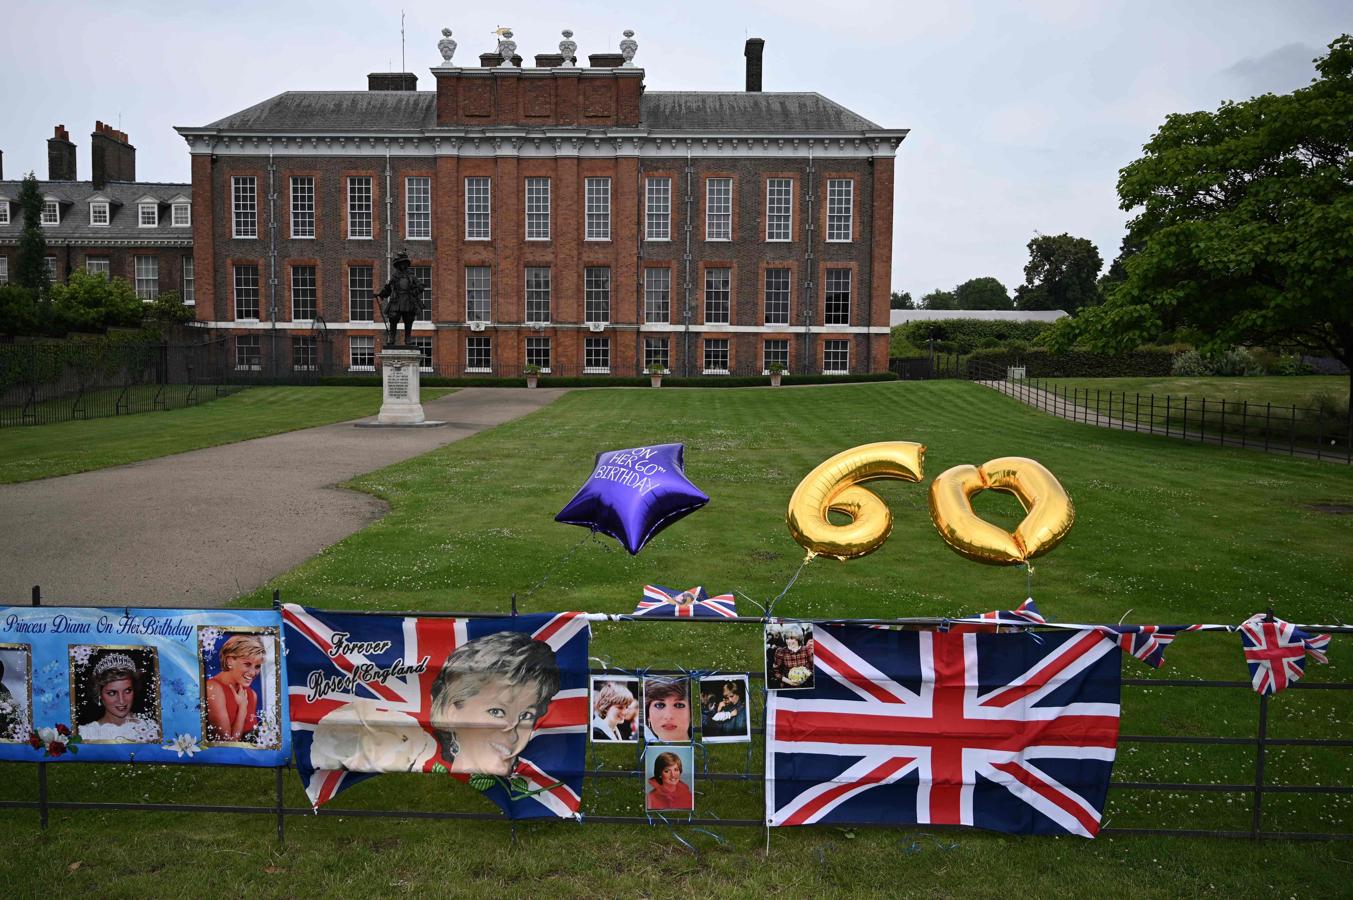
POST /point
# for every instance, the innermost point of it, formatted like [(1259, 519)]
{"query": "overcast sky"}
[(1021, 113)]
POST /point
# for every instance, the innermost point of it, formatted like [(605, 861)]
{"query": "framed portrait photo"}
[(614, 709), (724, 709), (667, 709), (16, 693), (240, 677), (789, 656), (115, 693), (669, 779)]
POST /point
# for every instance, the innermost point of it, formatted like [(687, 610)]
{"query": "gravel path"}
[(199, 528)]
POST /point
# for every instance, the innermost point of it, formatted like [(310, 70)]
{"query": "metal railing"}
[(1257, 787), (1313, 432)]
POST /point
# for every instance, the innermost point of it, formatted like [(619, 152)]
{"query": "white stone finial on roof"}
[(507, 48), (568, 49), (447, 47), (628, 47)]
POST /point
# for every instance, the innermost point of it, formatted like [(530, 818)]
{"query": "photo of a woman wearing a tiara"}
[(117, 704)]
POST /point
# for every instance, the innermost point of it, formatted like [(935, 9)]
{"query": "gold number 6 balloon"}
[(834, 485), (1048, 508)]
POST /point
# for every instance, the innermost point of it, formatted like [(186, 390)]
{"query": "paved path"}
[(202, 527)]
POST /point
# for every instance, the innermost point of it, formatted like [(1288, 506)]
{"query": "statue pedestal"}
[(401, 404)]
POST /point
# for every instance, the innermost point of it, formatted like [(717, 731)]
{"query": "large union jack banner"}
[(1009, 732), (501, 697), (693, 603)]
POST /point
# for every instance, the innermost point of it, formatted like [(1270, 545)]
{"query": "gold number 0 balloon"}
[(835, 485), (1050, 513)]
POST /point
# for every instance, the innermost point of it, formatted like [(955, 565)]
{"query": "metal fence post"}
[(1202, 423), (1260, 748), (1268, 422), (1292, 432), (281, 809), (42, 767), (1244, 422), (1167, 414), (1137, 412)]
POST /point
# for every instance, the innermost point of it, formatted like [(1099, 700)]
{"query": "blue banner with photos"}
[(81, 684)]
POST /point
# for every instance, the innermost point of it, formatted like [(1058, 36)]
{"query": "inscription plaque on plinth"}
[(401, 404)]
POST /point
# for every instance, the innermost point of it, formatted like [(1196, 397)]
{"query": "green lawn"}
[(1166, 532), (43, 451), (1298, 390)]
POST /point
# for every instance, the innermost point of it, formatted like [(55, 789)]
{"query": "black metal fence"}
[(45, 382), (1324, 433), (1256, 788)]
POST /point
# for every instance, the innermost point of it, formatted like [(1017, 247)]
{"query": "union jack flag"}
[(1146, 642), (665, 603), (1025, 614), (997, 731), (1276, 652), (361, 703)]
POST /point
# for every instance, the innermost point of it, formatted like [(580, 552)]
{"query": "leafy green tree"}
[(938, 299), (901, 300), (30, 268), (19, 312), (94, 303), (982, 293), (1060, 274), (1244, 219), (166, 311)]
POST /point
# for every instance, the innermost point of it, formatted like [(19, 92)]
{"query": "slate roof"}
[(74, 197), (701, 112)]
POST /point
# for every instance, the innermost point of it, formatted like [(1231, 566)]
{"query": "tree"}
[(901, 301), (982, 293), (95, 303), (19, 313), (166, 311), (938, 299), (1244, 224), (1060, 274), (30, 269)]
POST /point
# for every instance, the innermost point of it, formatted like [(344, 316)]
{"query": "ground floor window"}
[(716, 356), (596, 356), (249, 352), (303, 355), (99, 265), (538, 353), (836, 357), (775, 352), (423, 345), (655, 353), (362, 353), (478, 355), (147, 277)]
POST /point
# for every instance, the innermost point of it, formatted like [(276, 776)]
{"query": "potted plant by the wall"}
[(655, 375), (776, 372), (532, 375)]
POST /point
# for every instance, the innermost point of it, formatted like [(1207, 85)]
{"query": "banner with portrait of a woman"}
[(82, 684)]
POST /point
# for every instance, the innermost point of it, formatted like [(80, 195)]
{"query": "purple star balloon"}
[(633, 494)]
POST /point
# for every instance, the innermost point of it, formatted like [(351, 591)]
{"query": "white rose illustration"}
[(364, 737)]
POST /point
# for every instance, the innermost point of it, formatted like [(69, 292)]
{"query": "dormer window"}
[(182, 215), (4, 212), (98, 212), (148, 215), (51, 212)]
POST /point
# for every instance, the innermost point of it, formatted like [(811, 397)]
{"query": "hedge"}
[(970, 334), (613, 380), (1075, 363)]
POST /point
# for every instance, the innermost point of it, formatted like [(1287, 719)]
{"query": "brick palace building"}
[(560, 216)]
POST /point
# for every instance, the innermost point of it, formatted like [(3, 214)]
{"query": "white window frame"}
[(420, 271), (99, 265), (529, 301), (788, 296), (826, 370), (658, 208), (257, 288), (651, 290), (487, 299), (4, 270), (304, 340), (148, 221), (426, 362), (531, 353), (779, 210), (147, 282), (356, 230), (597, 202), (98, 206), (592, 294), (840, 224), (189, 270), (370, 286), (4, 212), (418, 208), (49, 263), (651, 346), (187, 220), (591, 347), (728, 302), (487, 346), (537, 209), (255, 341), (244, 207), (704, 356), (828, 290), (305, 207), (313, 287), (52, 206), (718, 222), (361, 342), (478, 208), (765, 357)]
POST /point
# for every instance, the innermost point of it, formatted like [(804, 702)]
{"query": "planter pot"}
[(775, 379), (532, 380), (655, 380)]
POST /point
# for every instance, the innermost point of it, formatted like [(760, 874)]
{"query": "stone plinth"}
[(401, 403)]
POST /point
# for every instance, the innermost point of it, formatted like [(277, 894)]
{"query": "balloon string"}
[(559, 563), (770, 607)]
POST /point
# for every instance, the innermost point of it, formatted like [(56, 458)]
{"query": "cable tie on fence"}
[(750, 600), (1124, 616)]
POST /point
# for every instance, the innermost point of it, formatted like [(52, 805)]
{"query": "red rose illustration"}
[(34, 741), (56, 748), (62, 729)]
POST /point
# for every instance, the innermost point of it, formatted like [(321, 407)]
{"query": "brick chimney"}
[(605, 60), (753, 54), (111, 155), (391, 81), (60, 156), (494, 60)]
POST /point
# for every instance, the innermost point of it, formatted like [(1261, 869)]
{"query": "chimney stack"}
[(111, 156), (753, 54), (391, 81), (60, 156)]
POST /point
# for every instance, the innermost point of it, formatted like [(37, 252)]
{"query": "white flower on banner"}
[(82, 653), (209, 636), (48, 735), (144, 731), (184, 743)]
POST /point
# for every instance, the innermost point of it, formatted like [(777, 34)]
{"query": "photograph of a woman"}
[(16, 693), (667, 710), (723, 710), (789, 657), (672, 781), (615, 710), (115, 694), (239, 684)]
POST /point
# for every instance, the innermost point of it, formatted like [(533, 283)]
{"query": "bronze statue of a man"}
[(405, 293)]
